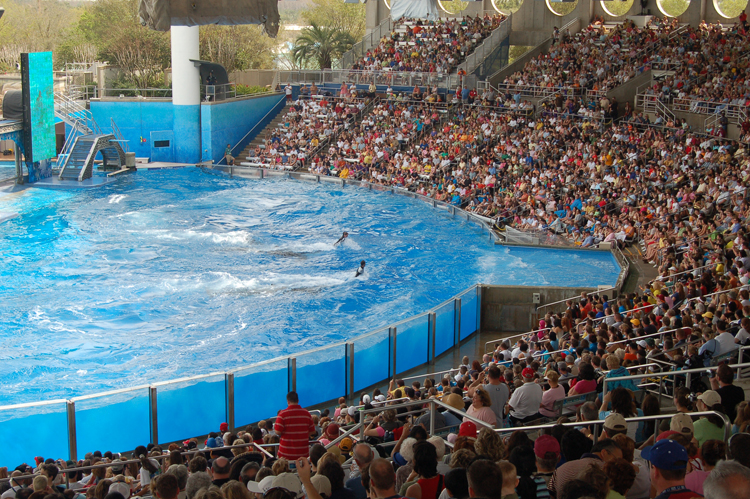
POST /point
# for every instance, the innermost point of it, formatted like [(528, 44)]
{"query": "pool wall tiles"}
[(199, 133)]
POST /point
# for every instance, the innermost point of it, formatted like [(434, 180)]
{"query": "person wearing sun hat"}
[(709, 427), (526, 399), (668, 465)]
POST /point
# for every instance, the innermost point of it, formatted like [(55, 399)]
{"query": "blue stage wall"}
[(226, 122), (136, 120), (200, 133)]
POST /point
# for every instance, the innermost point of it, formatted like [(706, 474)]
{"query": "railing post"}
[(229, 380), (350, 369), (431, 324), (457, 329), (432, 416), (292, 374), (392, 337), (72, 439), (154, 414), (480, 292)]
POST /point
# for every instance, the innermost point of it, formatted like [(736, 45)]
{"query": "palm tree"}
[(321, 44)]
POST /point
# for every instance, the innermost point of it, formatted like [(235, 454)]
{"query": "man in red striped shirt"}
[(294, 425)]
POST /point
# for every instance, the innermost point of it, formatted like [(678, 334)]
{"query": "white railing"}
[(365, 77), (733, 112)]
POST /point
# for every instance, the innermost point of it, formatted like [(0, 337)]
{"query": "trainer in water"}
[(361, 269), (341, 239)]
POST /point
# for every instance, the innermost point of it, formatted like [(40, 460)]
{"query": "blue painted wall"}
[(136, 120), (195, 138), (187, 133), (227, 122)]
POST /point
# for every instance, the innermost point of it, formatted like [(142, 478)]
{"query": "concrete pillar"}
[(186, 94)]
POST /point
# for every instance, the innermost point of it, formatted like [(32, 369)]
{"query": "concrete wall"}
[(511, 309), (626, 92), (226, 122), (136, 119), (520, 63)]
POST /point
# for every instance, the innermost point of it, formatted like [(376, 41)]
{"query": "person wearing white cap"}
[(709, 427)]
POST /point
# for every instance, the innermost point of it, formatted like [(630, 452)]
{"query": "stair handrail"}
[(491, 41), (282, 101), (118, 135)]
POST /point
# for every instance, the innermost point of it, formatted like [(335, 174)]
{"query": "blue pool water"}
[(175, 272)]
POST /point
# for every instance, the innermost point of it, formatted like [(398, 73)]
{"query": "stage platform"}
[(55, 183)]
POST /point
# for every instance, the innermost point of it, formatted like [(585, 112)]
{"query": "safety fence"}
[(174, 410)]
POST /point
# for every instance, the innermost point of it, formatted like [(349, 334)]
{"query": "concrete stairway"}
[(260, 138)]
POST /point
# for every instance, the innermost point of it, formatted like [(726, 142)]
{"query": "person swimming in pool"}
[(341, 239), (361, 269)]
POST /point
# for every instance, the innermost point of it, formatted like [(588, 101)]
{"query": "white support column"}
[(186, 94)]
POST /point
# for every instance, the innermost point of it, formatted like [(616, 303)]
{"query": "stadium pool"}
[(175, 272)]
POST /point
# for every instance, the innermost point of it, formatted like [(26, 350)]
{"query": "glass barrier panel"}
[(468, 313), (371, 359), (192, 407), (98, 417), (272, 380), (412, 339), (321, 375), (40, 430), (445, 327)]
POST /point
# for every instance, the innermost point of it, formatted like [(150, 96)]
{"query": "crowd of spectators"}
[(307, 123), (598, 58), (428, 46), (707, 68)]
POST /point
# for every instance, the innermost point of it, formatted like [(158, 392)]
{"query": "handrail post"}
[(72, 439), (229, 382), (392, 335), (431, 324), (292, 365), (350, 369), (432, 416), (154, 421), (457, 328)]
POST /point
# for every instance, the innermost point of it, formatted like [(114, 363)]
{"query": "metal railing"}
[(636, 419), (365, 77), (666, 374), (731, 111), (118, 135), (488, 45), (558, 302)]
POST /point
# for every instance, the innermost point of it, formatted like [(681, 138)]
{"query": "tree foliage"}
[(321, 44), (237, 47), (346, 17), (33, 27)]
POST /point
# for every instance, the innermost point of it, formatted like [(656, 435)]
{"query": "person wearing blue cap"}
[(668, 464)]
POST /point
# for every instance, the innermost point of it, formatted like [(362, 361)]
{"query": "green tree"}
[(32, 27), (237, 47), (320, 44), (347, 17), (507, 6)]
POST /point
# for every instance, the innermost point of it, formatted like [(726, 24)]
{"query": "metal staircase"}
[(79, 163), (85, 141)]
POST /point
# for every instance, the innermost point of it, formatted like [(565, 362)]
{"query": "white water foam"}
[(116, 198)]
